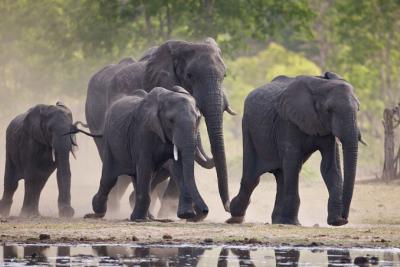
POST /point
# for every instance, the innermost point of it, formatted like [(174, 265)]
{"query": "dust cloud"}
[(86, 171)]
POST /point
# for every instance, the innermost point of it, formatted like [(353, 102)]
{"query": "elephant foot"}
[(198, 217), (187, 214), (235, 220), (337, 221), (29, 213), (94, 215), (66, 212), (287, 221), (99, 204), (5, 208)]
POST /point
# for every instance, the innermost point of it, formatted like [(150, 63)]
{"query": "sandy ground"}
[(374, 222)]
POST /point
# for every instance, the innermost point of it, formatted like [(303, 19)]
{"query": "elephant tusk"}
[(230, 111), (201, 155), (175, 153), (53, 154), (363, 142)]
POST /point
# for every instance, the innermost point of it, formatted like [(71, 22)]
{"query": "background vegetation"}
[(50, 48)]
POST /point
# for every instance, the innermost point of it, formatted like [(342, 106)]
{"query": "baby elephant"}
[(37, 143), (141, 133)]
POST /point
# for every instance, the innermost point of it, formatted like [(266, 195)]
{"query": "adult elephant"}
[(197, 67), (284, 122)]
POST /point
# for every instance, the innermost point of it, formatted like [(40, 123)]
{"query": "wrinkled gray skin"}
[(284, 122), (197, 67), (139, 137), (36, 145)]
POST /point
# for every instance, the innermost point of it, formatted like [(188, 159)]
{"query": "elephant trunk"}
[(201, 157), (212, 109), (350, 152)]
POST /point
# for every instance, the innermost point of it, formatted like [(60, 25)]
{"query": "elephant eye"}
[(189, 75)]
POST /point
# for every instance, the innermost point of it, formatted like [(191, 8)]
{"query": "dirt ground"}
[(374, 222)]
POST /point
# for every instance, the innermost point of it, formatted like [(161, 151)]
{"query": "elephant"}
[(141, 133), (284, 122), (37, 143), (198, 67)]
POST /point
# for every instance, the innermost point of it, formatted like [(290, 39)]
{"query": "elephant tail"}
[(75, 129)]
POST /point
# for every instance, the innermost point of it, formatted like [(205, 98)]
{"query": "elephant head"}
[(200, 69), (322, 106), (48, 125), (174, 117)]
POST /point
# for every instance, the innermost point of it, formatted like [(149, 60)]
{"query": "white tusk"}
[(201, 155), (53, 154), (175, 153)]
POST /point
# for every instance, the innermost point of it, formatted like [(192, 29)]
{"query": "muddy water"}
[(189, 255)]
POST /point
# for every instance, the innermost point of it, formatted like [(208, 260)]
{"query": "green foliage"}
[(247, 73)]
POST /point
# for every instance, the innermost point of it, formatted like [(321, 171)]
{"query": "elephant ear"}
[(179, 89), (151, 109), (332, 76), (33, 124), (162, 65), (297, 104)]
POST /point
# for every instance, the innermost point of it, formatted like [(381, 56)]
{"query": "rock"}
[(316, 225), (167, 237), (208, 240), (44, 236), (374, 260), (253, 240), (361, 261), (134, 238)]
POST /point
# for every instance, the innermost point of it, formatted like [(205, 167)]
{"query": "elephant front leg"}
[(331, 173), (144, 174), (64, 190), (33, 188), (279, 198), (291, 170), (185, 203), (99, 201)]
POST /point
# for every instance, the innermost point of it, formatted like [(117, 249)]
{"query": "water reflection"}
[(153, 255)]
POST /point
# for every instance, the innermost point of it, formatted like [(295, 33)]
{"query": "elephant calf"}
[(38, 142), (284, 122), (141, 133)]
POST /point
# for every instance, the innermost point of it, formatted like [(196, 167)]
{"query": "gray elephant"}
[(37, 143), (284, 122), (141, 133), (197, 67)]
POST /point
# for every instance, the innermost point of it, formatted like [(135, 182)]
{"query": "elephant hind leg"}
[(10, 186)]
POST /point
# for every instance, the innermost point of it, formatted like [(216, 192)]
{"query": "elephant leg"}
[(117, 192), (249, 181), (142, 203), (291, 170), (185, 203), (169, 200), (331, 173), (33, 188), (10, 186), (279, 198)]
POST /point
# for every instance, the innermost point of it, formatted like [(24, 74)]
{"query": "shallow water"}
[(191, 255)]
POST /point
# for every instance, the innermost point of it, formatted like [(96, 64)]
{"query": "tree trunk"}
[(391, 120)]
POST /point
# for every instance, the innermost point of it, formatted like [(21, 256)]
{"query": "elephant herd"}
[(144, 118)]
